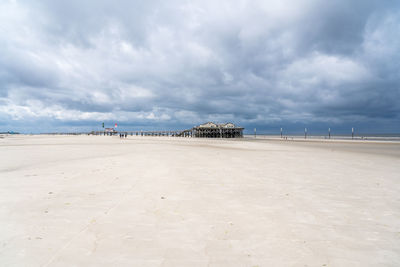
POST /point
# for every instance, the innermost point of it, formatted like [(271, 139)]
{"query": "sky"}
[(154, 65)]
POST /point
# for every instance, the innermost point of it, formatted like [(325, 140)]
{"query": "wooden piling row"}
[(185, 133)]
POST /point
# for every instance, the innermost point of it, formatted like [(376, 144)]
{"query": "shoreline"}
[(339, 139)]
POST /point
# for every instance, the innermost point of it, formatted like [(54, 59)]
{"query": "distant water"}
[(373, 137)]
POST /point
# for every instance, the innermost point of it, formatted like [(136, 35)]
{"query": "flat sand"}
[(164, 201)]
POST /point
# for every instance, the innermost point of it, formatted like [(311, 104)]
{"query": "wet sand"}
[(159, 201)]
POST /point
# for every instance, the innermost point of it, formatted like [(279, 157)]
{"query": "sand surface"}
[(159, 201)]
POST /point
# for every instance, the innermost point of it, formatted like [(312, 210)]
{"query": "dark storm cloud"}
[(179, 63)]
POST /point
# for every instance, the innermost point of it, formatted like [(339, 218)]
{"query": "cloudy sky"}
[(70, 65)]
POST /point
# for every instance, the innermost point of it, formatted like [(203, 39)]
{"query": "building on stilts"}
[(217, 130)]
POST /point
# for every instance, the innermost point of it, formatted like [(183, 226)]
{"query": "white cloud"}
[(320, 70)]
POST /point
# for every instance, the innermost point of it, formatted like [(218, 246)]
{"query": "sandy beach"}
[(164, 201)]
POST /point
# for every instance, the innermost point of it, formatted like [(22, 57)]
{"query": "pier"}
[(182, 133), (206, 130)]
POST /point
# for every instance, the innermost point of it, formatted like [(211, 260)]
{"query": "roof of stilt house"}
[(218, 125)]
